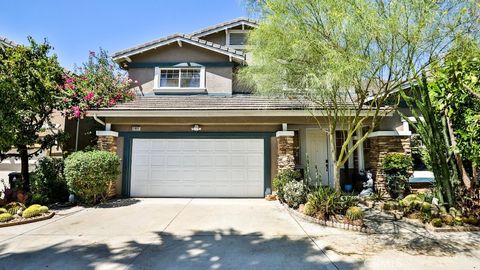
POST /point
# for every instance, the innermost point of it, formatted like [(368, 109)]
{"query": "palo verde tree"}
[(30, 78), (348, 57)]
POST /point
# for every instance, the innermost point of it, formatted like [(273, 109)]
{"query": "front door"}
[(317, 155)]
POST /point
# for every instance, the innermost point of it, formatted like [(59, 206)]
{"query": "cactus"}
[(3, 210), (436, 222), (43, 209), (448, 219), (4, 217), (354, 213), (31, 212), (309, 209), (13, 210), (426, 207), (34, 206)]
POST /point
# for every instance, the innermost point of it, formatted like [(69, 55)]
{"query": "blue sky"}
[(74, 28)]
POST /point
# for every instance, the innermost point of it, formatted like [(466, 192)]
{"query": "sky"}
[(74, 28)]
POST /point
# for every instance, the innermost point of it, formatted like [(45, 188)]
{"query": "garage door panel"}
[(197, 168)]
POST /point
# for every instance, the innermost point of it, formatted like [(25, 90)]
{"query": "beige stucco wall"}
[(219, 38), (218, 80)]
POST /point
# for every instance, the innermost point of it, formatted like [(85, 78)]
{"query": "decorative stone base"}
[(285, 150), (28, 220), (445, 228), (333, 224)]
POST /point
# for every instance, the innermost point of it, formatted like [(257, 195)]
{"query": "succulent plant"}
[(43, 209), (426, 207), (354, 213), (436, 222), (3, 210), (309, 209), (13, 210), (448, 219), (458, 221), (4, 217), (470, 220), (31, 212)]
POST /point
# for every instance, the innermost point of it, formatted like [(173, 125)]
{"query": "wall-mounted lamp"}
[(196, 128)]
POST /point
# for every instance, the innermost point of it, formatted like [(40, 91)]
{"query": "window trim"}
[(227, 40), (156, 81)]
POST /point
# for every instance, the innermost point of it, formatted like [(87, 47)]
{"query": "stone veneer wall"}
[(379, 147), (285, 150), (107, 142)]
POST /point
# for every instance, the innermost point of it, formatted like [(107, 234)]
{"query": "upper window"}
[(237, 38), (179, 78)]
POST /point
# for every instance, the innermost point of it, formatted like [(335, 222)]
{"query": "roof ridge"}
[(7, 42), (222, 24)]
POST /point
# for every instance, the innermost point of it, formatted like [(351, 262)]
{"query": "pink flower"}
[(65, 99), (89, 96), (76, 111)]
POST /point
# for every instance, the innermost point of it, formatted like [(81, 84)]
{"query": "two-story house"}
[(196, 131)]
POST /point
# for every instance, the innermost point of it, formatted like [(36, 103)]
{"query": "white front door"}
[(197, 168), (318, 156)]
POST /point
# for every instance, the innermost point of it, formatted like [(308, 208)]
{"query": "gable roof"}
[(179, 38), (224, 25), (5, 42)]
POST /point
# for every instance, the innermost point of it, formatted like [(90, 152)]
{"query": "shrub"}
[(325, 200), (89, 174), (48, 182), (397, 167), (294, 193), (309, 209), (436, 222), (283, 177), (354, 213), (4, 217)]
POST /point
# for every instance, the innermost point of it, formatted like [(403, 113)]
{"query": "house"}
[(195, 131)]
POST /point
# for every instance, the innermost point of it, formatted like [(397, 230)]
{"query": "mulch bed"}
[(21, 220)]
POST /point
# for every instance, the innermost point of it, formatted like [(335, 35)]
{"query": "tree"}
[(96, 84), (29, 82), (456, 89), (348, 57)]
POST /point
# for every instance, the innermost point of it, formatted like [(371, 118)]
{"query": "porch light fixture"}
[(196, 128)]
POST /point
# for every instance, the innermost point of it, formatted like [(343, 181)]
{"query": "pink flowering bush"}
[(99, 83)]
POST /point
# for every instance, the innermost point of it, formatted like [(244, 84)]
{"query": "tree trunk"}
[(453, 141), (23, 151), (333, 155)]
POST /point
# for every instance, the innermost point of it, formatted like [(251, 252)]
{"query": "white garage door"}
[(197, 168)]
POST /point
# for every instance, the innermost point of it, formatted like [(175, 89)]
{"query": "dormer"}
[(232, 34)]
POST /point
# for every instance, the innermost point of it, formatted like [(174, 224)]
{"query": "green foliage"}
[(456, 89), (354, 213), (30, 77), (325, 200), (283, 177), (426, 207), (48, 182), (397, 167), (346, 201), (4, 217), (397, 163), (448, 219), (14, 207), (436, 222), (3, 210), (295, 193), (98, 83), (431, 126), (88, 174), (43, 209)]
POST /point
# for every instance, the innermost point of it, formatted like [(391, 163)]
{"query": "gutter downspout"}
[(98, 119)]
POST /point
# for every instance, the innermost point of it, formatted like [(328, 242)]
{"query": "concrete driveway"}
[(166, 234)]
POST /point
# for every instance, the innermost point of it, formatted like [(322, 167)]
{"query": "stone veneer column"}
[(379, 147), (285, 150), (107, 141)]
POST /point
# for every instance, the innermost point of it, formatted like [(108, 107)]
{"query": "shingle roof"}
[(174, 38), (224, 25), (206, 102), (4, 41)]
